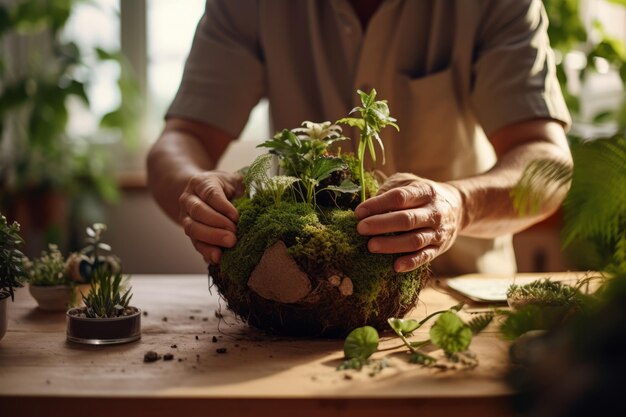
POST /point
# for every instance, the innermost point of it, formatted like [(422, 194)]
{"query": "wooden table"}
[(43, 375)]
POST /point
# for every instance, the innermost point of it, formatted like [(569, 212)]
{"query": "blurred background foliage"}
[(50, 179)]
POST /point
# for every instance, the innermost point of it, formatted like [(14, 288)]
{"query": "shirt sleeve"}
[(514, 73), (223, 77)]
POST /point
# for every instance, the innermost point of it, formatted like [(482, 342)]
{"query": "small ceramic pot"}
[(52, 298), (4, 302), (105, 331)]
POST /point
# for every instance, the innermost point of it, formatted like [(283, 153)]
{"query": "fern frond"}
[(596, 204), (540, 179), (480, 323), (257, 173)]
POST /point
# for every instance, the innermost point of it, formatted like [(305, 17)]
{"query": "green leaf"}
[(361, 343), (421, 358), (346, 186), (480, 323), (450, 333), (324, 167), (403, 327), (353, 122)]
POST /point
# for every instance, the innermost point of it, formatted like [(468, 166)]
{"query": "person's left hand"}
[(424, 215)]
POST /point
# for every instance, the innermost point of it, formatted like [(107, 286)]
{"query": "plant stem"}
[(362, 145)]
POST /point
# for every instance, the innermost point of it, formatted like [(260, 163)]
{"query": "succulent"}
[(108, 296), (11, 257)]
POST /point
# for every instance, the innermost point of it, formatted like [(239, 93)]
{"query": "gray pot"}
[(4, 302), (104, 331), (52, 298)]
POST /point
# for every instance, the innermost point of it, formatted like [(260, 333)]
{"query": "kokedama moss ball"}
[(299, 266), (300, 271)]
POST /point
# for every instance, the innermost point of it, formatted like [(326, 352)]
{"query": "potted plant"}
[(107, 318), (49, 282), (299, 266), (50, 174), (11, 266)]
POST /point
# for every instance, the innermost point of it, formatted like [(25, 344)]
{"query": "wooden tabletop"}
[(43, 375)]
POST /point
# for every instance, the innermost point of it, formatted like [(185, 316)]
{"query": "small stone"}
[(180, 359), (174, 346), (220, 350), (151, 356), (197, 338), (168, 357), (192, 317), (164, 319), (347, 376), (214, 339), (145, 313), (334, 280), (346, 288)]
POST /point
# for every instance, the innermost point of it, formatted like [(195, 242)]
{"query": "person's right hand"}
[(207, 215)]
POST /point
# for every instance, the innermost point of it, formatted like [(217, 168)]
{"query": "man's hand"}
[(425, 217), (207, 215)]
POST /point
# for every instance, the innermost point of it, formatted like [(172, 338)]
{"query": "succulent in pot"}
[(106, 318), (50, 282), (11, 266), (299, 266)]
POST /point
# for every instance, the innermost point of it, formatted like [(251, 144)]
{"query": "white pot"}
[(4, 302), (52, 298)]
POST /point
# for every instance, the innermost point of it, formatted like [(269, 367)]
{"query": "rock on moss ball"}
[(346, 285)]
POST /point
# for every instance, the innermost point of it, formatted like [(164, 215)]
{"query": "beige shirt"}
[(453, 72)]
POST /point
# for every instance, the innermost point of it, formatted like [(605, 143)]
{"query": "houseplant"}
[(107, 318), (48, 281), (299, 266), (49, 174), (11, 266)]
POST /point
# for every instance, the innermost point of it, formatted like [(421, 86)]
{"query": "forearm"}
[(173, 161), (488, 209)]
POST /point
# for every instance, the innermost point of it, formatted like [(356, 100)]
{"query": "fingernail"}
[(215, 258), (374, 246), (229, 241), (362, 228), (361, 212)]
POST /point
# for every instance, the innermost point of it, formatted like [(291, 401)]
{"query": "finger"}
[(411, 196), (207, 234), (212, 193), (398, 221), (406, 242), (199, 211), (415, 260), (210, 253)]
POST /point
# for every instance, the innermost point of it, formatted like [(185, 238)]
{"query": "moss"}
[(323, 243)]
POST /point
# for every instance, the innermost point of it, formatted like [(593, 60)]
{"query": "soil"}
[(151, 356), (80, 312)]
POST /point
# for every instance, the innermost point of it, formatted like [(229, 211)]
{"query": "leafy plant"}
[(96, 254), (49, 269), (11, 258), (449, 333), (107, 296), (304, 157), (374, 117), (38, 153)]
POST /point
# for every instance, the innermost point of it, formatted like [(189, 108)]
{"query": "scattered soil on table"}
[(197, 338), (174, 346), (168, 357), (205, 319), (164, 319), (151, 356), (192, 317), (221, 350), (145, 313), (214, 339)]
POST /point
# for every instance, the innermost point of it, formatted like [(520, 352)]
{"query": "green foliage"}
[(545, 292), (567, 33), (107, 296), (480, 322), (257, 181), (540, 179), (12, 270), (361, 343), (404, 327), (49, 269), (450, 333), (374, 117), (596, 204), (98, 254), (303, 154), (36, 89)]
